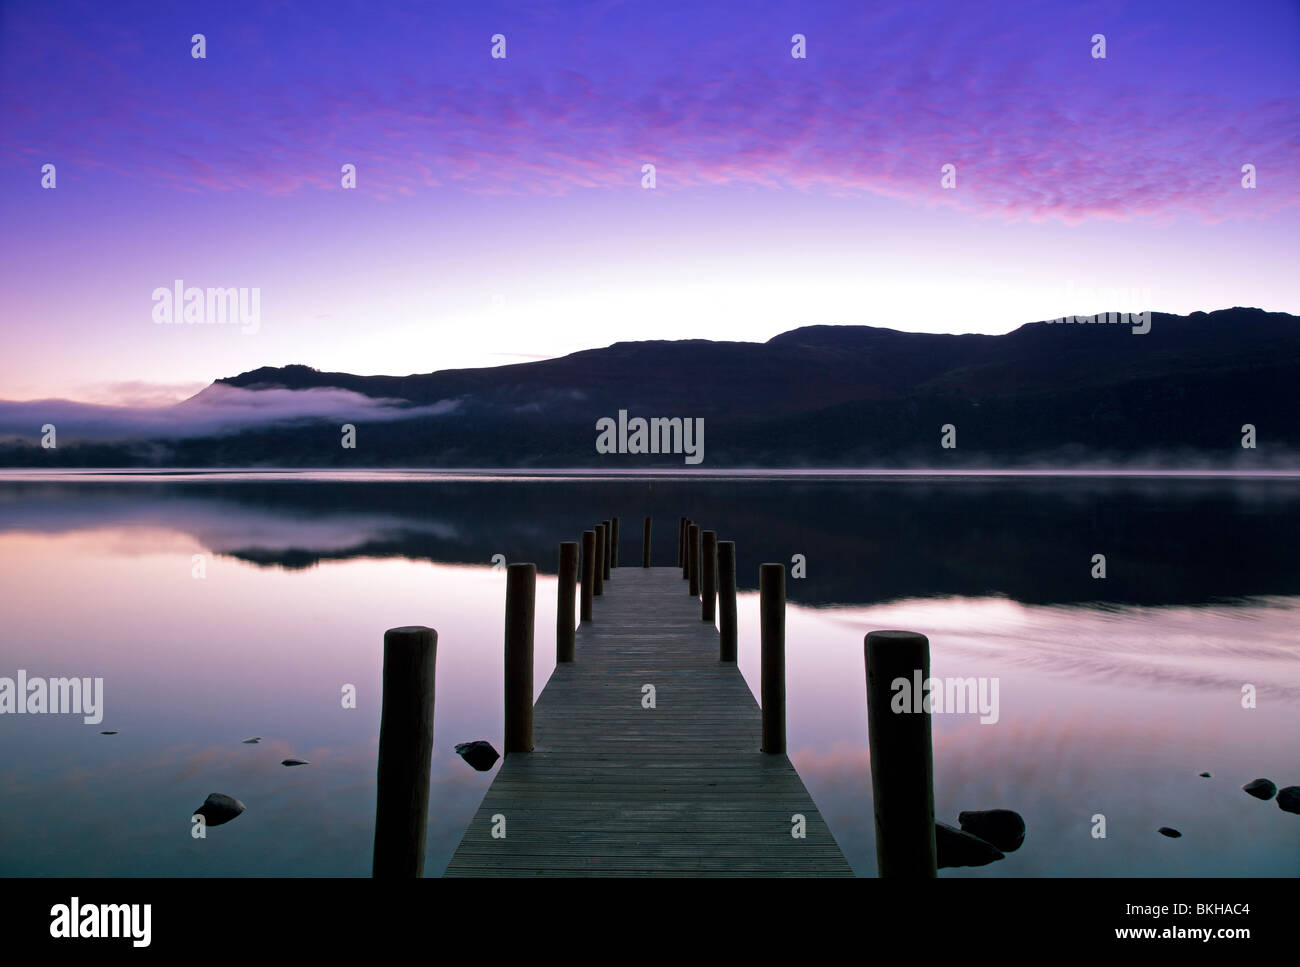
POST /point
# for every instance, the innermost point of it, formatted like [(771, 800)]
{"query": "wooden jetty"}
[(646, 754), (615, 788)]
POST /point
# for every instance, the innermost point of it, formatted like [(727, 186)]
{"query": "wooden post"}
[(405, 752), (727, 600), (599, 569), (771, 592), (521, 589), (645, 543), (693, 559), (564, 628), (686, 553), (902, 760), (681, 542), (608, 550), (588, 577), (613, 557), (709, 579)]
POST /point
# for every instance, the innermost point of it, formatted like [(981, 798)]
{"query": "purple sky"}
[(499, 212)]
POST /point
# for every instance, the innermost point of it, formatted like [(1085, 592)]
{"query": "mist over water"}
[(1114, 693)]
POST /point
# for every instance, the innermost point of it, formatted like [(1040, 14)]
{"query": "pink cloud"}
[(1037, 129)]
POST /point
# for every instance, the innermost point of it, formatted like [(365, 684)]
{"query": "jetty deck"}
[(613, 788)]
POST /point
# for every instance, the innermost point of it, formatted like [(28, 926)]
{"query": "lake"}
[(219, 607)]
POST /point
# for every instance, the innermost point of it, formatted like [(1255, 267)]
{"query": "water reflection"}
[(1174, 540), (1101, 712), (1114, 693)]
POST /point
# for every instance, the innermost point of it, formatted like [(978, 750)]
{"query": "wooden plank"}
[(613, 788)]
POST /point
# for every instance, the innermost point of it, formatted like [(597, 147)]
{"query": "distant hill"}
[(818, 396)]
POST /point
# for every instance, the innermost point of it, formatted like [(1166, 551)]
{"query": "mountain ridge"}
[(820, 395)]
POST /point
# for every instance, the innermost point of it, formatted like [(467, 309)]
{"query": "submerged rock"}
[(253, 741), (219, 808), (1169, 831), (294, 762), (1004, 828), (1260, 789), (1288, 799), (956, 847), (478, 754)]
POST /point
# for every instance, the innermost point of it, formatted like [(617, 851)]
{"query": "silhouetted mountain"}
[(826, 396)]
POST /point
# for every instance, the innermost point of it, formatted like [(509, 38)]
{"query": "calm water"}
[(1113, 694)]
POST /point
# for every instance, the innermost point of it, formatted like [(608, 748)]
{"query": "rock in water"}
[(956, 847), (1004, 828), (478, 754), (218, 809), (1169, 831), (294, 762), (1204, 775), (1260, 789), (1288, 798), (109, 732), (253, 741)]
